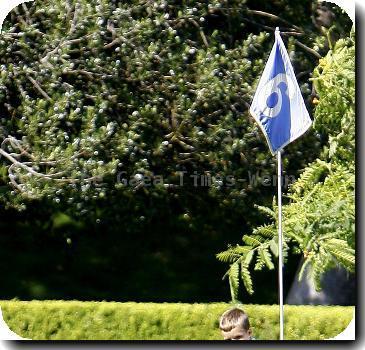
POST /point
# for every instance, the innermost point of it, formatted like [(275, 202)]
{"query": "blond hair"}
[(233, 318)]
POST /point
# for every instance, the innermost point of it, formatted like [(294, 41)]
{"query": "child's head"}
[(235, 325)]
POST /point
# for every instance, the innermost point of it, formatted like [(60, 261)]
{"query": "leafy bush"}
[(74, 320)]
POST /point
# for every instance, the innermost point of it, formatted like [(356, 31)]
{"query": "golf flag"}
[(278, 105)]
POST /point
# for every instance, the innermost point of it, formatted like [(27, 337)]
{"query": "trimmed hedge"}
[(74, 320)]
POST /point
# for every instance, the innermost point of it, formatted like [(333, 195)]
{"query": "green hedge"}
[(74, 320)]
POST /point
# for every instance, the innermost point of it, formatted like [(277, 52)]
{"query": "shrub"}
[(74, 320)]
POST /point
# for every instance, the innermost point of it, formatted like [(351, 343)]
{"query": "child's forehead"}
[(236, 331)]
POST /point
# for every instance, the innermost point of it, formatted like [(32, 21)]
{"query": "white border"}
[(5, 333)]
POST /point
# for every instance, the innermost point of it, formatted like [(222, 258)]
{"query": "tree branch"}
[(275, 17), (38, 87), (308, 49), (28, 166)]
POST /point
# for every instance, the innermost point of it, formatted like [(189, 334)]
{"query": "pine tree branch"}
[(308, 49), (38, 87), (27, 166), (275, 17)]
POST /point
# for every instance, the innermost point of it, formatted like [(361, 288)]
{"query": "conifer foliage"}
[(89, 89)]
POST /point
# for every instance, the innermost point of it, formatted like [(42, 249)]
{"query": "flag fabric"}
[(278, 105)]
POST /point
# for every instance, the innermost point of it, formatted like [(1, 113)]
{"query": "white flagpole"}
[(280, 234), (264, 114)]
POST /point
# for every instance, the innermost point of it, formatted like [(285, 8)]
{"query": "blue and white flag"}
[(278, 105)]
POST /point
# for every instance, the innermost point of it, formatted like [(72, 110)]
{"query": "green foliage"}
[(319, 221), (59, 320), (334, 80), (261, 246), (91, 89)]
